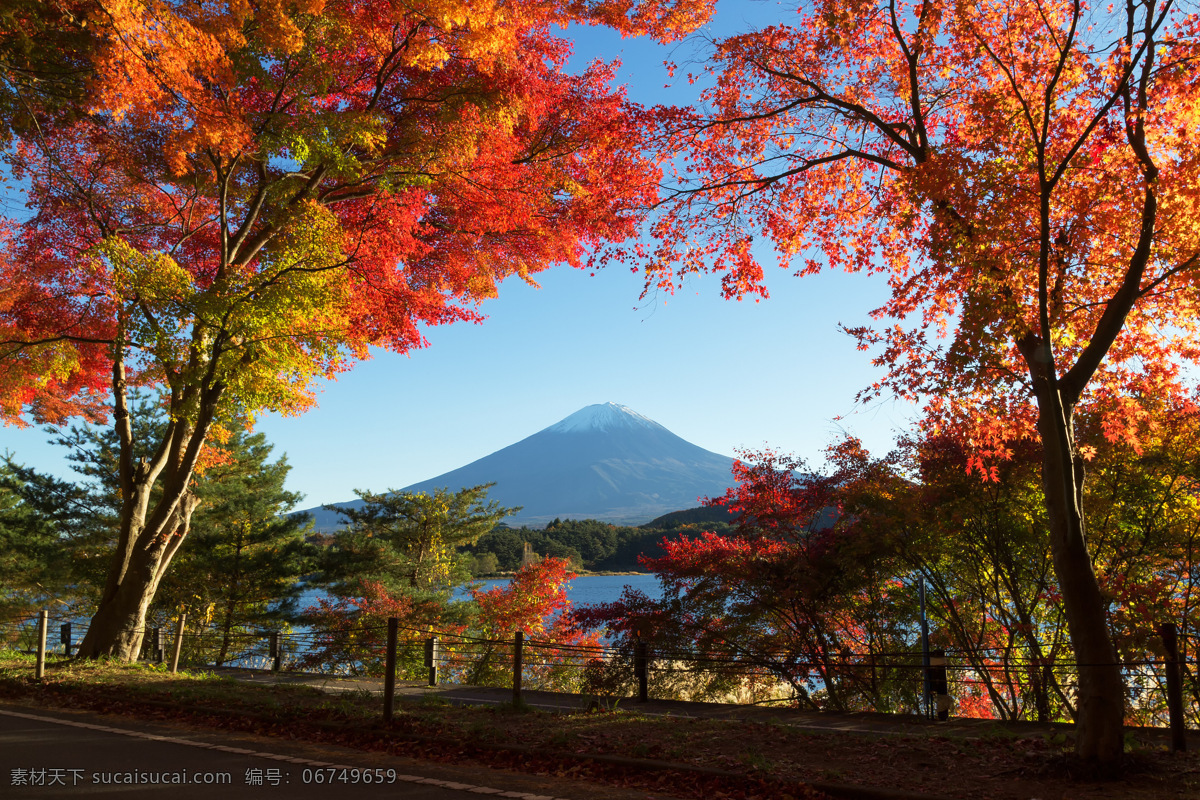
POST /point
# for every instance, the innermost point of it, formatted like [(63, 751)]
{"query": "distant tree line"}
[(591, 544)]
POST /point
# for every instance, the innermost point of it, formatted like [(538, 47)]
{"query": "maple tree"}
[(817, 586), (799, 592), (349, 633), (1024, 175), (248, 196), (535, 603)]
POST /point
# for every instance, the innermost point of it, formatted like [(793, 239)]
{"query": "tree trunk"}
[(117, 628), (232, 598), (148, 538), (226, 634), (1099, 700), (119, 623)]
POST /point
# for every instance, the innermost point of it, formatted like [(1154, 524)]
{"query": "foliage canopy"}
[(236, 199)]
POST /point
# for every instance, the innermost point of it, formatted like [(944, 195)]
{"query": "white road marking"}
[(466, 787)]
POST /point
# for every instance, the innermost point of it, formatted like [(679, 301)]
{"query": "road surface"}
[(48, 754)]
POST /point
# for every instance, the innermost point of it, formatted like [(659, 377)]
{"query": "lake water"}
[(593, 589), (584, 590)]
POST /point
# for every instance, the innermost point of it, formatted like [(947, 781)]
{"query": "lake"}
[(592, 589), (584, 590)]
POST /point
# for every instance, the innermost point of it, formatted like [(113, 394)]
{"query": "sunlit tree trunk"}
[(1099, 699), (119, 623), (156, 511)]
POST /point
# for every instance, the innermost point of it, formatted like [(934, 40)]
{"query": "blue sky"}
[(721, 374)]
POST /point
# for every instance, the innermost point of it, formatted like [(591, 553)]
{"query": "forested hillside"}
[(592, 544)]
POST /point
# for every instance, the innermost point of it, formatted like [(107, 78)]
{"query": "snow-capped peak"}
[(600, 417)]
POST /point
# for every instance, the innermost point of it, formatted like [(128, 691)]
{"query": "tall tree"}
[(1023, 173), (250, 195)]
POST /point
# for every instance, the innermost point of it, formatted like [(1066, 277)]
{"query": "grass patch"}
[(15, 657)]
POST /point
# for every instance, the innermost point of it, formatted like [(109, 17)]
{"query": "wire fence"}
[(885, 680)]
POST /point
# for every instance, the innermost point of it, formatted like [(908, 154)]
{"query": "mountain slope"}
[(603, 462)]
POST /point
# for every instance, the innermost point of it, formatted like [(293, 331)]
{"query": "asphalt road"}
[(46, 755)]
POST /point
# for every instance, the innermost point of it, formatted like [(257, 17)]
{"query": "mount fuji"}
[(604, 462)]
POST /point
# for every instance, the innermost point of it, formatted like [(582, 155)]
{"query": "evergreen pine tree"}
[(53, 538), (409, 542)]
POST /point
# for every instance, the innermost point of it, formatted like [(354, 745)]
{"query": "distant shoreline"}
[(583, 573)]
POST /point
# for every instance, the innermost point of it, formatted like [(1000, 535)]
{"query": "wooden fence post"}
[(939, 684), (389, 673), (641, 668), (518, 646), (274, 651), (178, 642), (1170, 640), (431, 659), (43, 621), (64, 635)]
